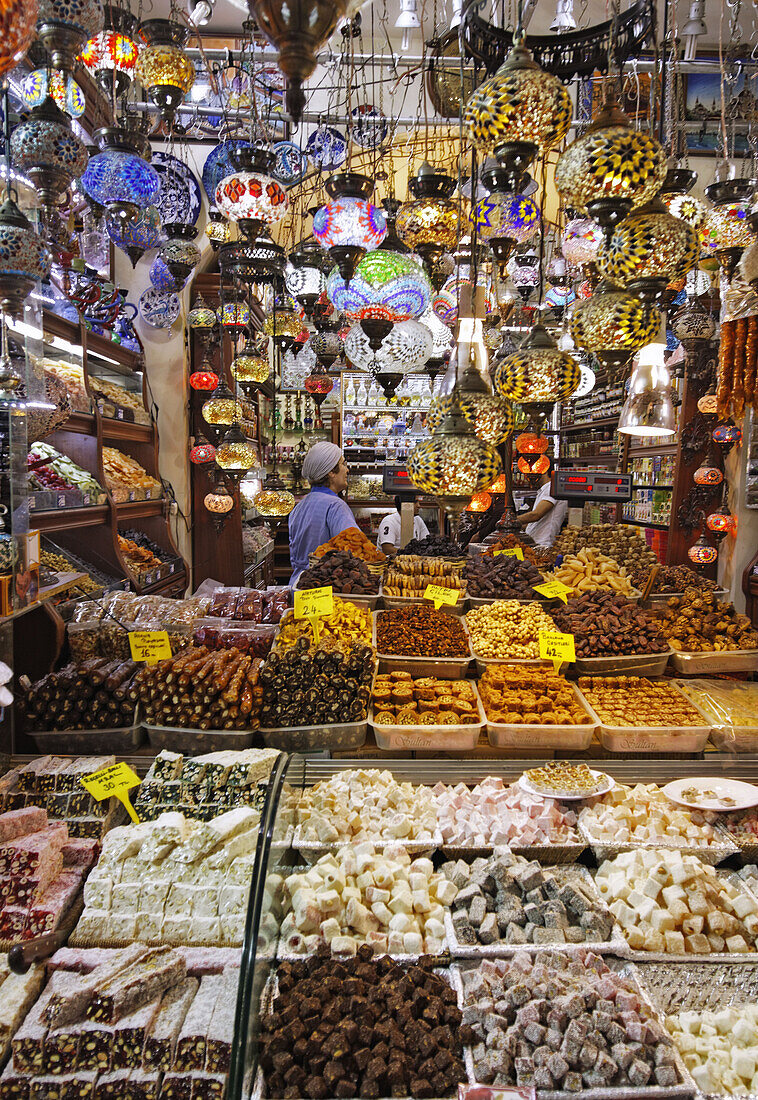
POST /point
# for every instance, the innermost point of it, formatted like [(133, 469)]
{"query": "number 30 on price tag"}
[(113, 782), (313, 603), (441, 595), (556, 647)]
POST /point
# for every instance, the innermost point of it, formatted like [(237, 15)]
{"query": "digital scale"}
[(591, 485), (396, 482)]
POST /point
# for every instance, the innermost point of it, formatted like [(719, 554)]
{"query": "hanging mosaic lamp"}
[(250, 196), (613, 324), (406, 348), (249, 367), (219, 503), (428, 224), (327, 346), (305, 274), (202, 452), (708, 404), (251, 261), (518, 112), (387, 287), (297, 31), (727, 435), (581, 241), (709, 472), (453, 464), (24, 258), (201, 317), (221, 409), (318, 385), (204, 380), (111, 55), (490, 416), (162, 279), (442, 337), (537, 372), (274, 501), (63, 88), (480, 502), (180, 254), (235, 454), (233, 315), (47, 151), (687, 208), (217, 228), (610, 169), (647, 250), (702, 552), (285, 321), (63, 27), (17, 27), (118, 178), (727, 232), (504, 219), (137, 237), (163, 68), (349, 226), (694, 327), (721, 522)]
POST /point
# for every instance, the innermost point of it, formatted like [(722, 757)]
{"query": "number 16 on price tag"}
[(556, 647)]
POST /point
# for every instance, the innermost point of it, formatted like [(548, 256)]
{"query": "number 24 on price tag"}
[(556, 647), (311, 603)]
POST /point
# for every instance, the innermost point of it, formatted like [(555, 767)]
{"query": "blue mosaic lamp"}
[(139, 236), (118, 178)]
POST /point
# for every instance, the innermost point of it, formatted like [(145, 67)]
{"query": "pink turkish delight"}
[(15, 823)]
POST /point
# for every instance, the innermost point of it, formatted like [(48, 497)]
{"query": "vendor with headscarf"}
[(322, 514)]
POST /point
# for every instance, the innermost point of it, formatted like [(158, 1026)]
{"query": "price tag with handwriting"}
[(552, 590), (314, 603), (441, 595), (516, 552), (149, 646), (113, 782), (556, 647)]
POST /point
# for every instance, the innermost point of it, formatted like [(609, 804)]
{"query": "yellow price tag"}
[(313, 603), (440, 595), (553, 589), (113, 782), (516, 552), (149, 646), (556, 647)]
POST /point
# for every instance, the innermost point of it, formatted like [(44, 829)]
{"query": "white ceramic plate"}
[(714, 793), (605, 784)]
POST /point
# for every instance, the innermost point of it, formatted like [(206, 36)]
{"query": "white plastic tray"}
[(443, 738), (656, 738), (458, 608), (711, 661), (194, 742), (118, 739), (502, 735), (624, 664), (445, 668), (711, 854), (328, 735)]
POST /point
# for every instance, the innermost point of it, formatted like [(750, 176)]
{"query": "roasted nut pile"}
[(420, 631), (358, 895), (306, 685), (408, 575), (559, 777), (643, 815), (362, 1027), (604, 624), (201, 689), (433, 546), (673, 578), (356, 543), (503, 577), (526, 695), (697, 622), (637, 701), (669, 902), (591, 571), (366, 805), (593, 1032), (94, 694), (625, 544), (507, 629), (399, 700), (492, 814), (348, 623), (344, 572), (720, 1049), (507, 899)]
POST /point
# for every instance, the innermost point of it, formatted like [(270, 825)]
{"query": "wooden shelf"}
[(590, 458), (135, 509), (59, 519), (83, 423), (653, 450), (125, 429), (640, 485), (585, 424), (646, 523)]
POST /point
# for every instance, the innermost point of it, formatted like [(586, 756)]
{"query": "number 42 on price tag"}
[(556, 647), (113, 782)]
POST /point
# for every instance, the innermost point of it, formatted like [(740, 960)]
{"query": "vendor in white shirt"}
[(388, 540), (545, 518)]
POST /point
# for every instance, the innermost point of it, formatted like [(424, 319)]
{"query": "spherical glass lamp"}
[(727, 435), (694, 326), (111, 55), (217, 228), (163, 279), (235, 454), (429, 223), (233, 315), (219, 503), (581, 241), (349, 226), (250, 367), (708, 404), (453, 463), (407, 347), (201, 316), (727, 234), (702, 552), (610, 169), (480, 502), (250, 196), (203, 380), (63, 27), (284, 322), (305, 274), (137, 237), (387, 287), (24, 257), (319, 385), (63, 88), (537, 372), (518, 111), (686, 207), (721, 522), (534, 464), (648, 250), (445, 301), (16, 32), (327, 345), (202, 452), (163, 68), (118, 178), (531, 443), (490, 416), (47, 151), (708, 474), (613, 324), (274, 501), (221, 409), (180, 254), (504, 219)]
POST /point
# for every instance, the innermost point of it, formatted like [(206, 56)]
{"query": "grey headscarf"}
[(320, 461)]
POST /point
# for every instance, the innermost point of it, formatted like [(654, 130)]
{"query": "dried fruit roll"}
[(751, 359), (726, 366), (738, 377)]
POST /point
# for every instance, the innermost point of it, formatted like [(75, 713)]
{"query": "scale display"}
[(395, 480), (591, 485)]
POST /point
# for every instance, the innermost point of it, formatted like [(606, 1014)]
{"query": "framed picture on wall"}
[(702, 113), (635, 99)]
